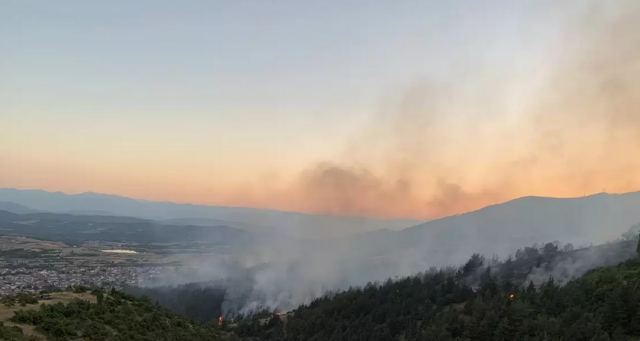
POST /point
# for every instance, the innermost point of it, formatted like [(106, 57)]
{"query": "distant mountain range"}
[(272, 254), (15, 208), (501, 229), (77, 229), (497, 229), (258, 220)]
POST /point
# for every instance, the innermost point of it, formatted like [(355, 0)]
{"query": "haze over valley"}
[(335, 170), (276, 269)]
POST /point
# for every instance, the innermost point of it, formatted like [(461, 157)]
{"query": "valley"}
[(320, 170)]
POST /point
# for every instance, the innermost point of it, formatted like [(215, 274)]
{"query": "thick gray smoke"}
[(576, 264), (566, 122), (282, 273), (578, 130)]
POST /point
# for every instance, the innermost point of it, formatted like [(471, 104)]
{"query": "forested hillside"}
[(115, 316), (201, 302), (474, 302), (481, 300)]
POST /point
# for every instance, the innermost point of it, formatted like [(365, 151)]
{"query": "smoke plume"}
[(567, 125)]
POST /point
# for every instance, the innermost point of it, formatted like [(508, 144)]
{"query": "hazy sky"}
[(381, 108)]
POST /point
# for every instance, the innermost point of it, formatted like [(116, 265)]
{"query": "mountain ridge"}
[(286, 222)]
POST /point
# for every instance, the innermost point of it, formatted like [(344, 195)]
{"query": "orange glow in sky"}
[(387, 119)]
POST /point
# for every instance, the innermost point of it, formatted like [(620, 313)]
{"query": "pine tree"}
[(504, 331)]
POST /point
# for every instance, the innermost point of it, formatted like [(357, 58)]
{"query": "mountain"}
[(263, 220), (501, 229), (296, 271), (477, 301), (76, 229), (15, 208), (285, 265)]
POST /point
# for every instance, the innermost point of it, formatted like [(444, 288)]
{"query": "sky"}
[(412, 109)]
